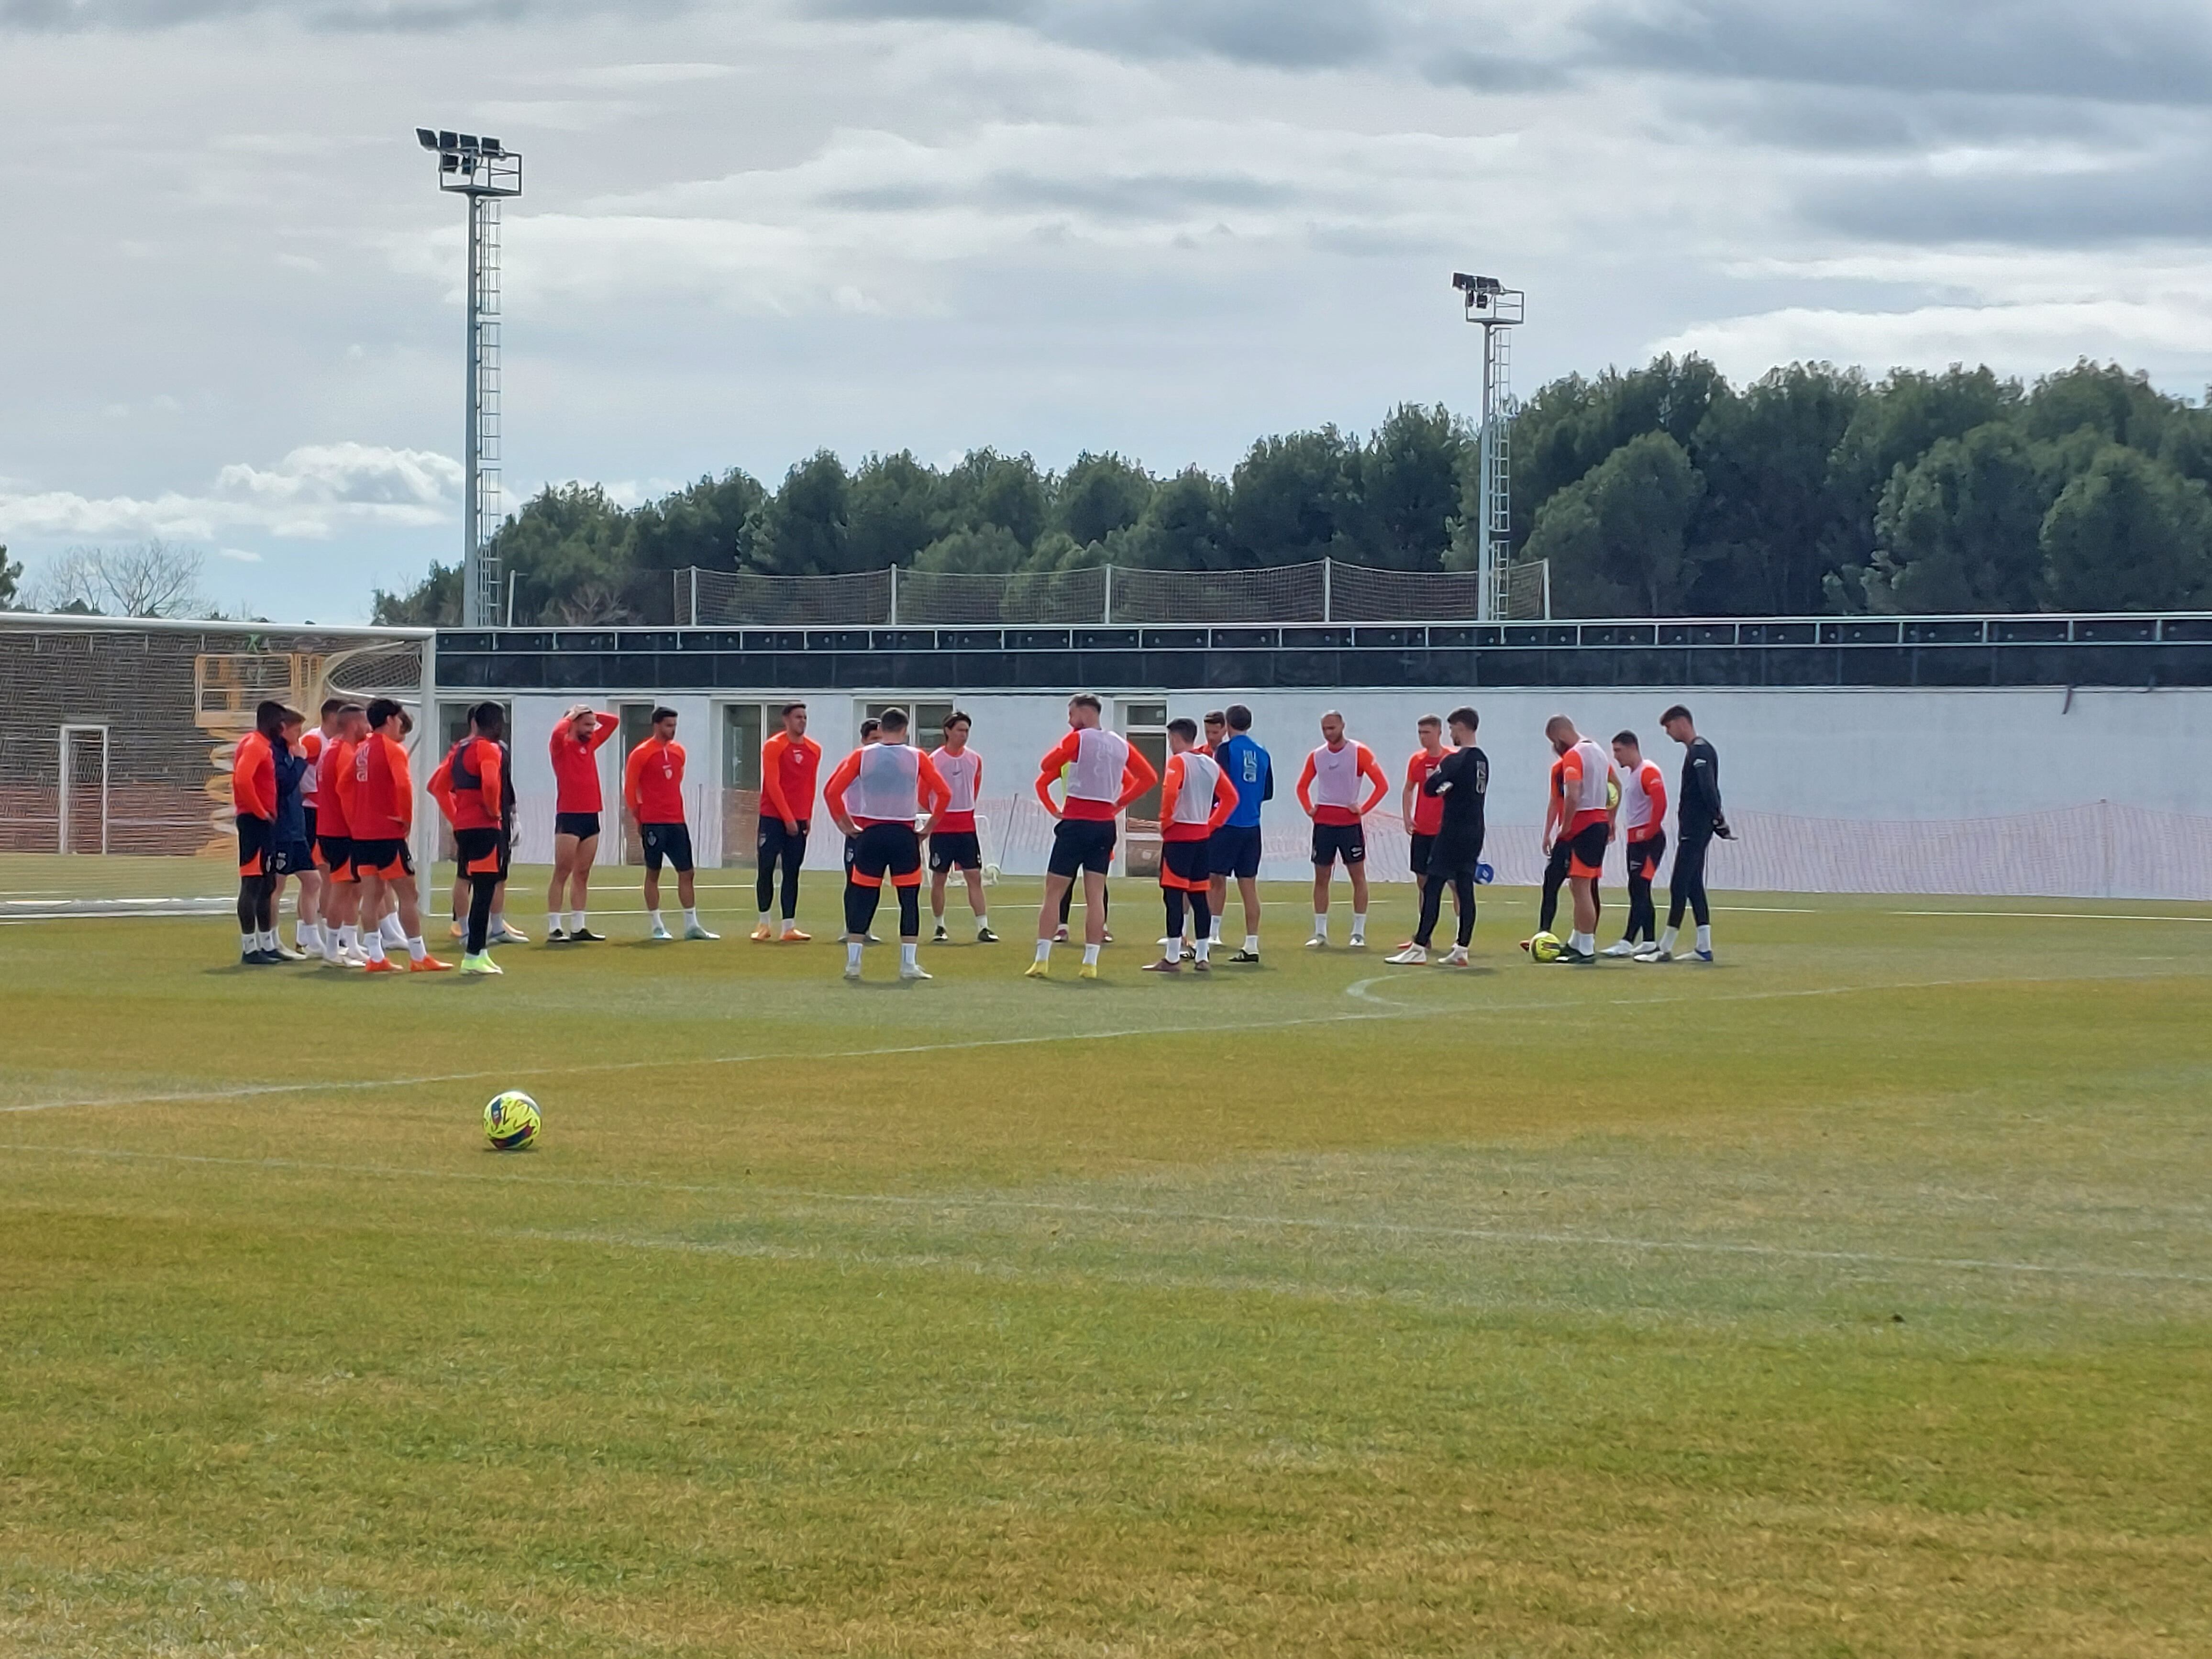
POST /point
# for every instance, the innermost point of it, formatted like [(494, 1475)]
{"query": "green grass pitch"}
[(1853, 1295)]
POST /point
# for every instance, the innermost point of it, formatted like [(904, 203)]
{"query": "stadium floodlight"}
[(486, 171), (1497, 309)]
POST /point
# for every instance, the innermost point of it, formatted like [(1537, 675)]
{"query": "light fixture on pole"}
[(485, 172), (1497, 309)]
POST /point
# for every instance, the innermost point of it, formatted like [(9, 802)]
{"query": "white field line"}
[(1359, 989), (1129, 1212), (2051, 915)]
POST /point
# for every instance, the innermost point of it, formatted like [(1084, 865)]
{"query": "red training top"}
[(575, 767)]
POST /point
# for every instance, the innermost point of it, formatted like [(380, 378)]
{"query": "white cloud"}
[(238, 555), (314, 492)]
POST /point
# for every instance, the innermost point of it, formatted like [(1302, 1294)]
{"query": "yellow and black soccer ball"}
[(511, 1122)]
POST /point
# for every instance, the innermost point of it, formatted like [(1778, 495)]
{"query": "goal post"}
[(121, 730)]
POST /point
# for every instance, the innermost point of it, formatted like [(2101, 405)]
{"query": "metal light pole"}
[(485, 171), (1497, 309)]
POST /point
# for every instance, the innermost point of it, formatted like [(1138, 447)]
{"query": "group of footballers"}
[(334, 808)]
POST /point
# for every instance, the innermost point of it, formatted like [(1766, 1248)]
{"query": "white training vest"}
[(1635, 801), (1102, 759), (1336, 776), (1193, 802), (960, 773), (889, 788), (1597, 770)]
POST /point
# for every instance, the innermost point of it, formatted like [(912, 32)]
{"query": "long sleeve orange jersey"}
[(381, 806), (1171, 788), (653, 783), (253, 777), (1342, 812), (788, 773), (575, 765), (932, 794), (468, 808), (1137, 775)]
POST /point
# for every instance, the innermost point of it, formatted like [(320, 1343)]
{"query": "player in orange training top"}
[(883, 795), (253, 801), (380, 816), (653, 789), (953, 843), (469, 786), (1328, 789), (790, 762), (1196, 798), (577, 801)]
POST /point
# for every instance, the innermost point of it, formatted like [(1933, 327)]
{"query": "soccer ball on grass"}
[(1545, 947), (511, 1122)]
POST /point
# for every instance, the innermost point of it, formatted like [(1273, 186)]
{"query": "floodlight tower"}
[(485, 172), (1497, 309)]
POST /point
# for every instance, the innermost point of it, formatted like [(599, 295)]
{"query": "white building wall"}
[(2028, 791)]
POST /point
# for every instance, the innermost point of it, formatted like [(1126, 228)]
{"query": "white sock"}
[(374, 944), (349, 938), (1704, 938), (1202, 946), (982, 918), (1586, 943), (1321, 924), (307, 936), (852, 949), (418, 950), (1044, 949), (1359, 924), (906, 954), (331, 948), (268, 940), (248, 944), (390, 931), (690, 916), (658, 926), (575, 921), (1666, 940), (1091, 955), (763, 918), (790, 926), (1252, 943)]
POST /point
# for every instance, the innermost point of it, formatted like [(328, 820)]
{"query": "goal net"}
[(121, 733)]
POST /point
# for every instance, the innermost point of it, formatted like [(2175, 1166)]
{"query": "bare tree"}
[(146, 579)]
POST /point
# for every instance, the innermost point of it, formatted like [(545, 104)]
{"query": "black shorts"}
[(1234, 850), (255, 840), (1449, 859), (1079, 844), (671, 842), (955, 849), (481, 852), (1185, 865), (1333, 841), (307, 810), (290, 858), (335, 855), (1643, 855), (582, 825), (1586, 851), (774, 841), (887, 849), (382, 858), (1418, 855)]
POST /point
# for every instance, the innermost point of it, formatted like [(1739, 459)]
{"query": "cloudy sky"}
[(232, 292)]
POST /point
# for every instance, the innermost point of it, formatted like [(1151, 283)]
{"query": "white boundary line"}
[(1360, 989), (1118, 1212)]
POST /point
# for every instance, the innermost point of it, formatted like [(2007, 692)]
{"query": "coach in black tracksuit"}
[(1461, 781), (1697, 819)]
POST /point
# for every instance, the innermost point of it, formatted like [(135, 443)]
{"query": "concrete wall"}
[(1967, 791)]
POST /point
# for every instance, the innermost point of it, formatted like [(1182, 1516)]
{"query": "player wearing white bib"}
[(1644, 824), (1100, 773), (953, 843), (1329, 790), (1196, 798), (1580, 817), (883, 796)]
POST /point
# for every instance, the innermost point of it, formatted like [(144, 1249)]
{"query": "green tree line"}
[(1658, 491)]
